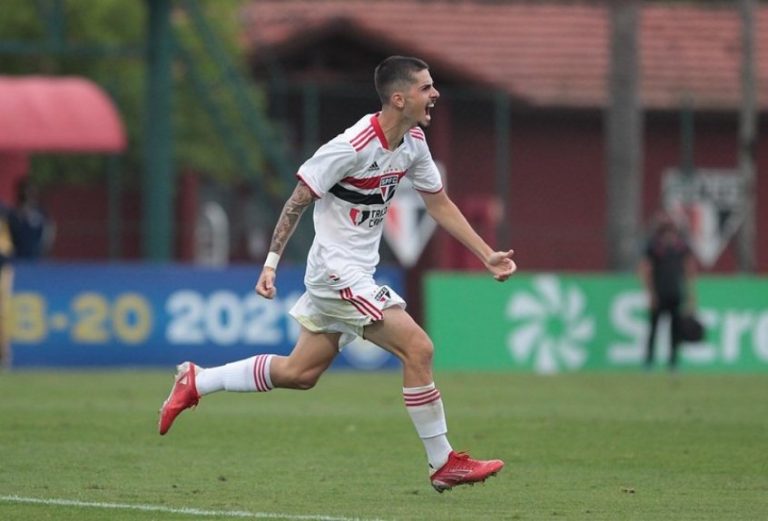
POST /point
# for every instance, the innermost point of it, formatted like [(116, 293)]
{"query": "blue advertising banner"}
[(81, 315)]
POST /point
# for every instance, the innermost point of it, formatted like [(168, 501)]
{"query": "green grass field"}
[(590, 446)]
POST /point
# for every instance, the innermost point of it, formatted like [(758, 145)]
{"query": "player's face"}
[(420, 99)]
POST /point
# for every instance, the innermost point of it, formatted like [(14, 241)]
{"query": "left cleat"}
[(460, 469)]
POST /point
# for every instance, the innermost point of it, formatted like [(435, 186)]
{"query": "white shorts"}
[(345, 310)]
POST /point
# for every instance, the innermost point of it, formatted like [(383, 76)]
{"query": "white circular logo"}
[(551, 328)]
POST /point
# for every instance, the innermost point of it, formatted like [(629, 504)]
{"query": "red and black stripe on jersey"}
[(372, 189), (355, 197), (382, 193)]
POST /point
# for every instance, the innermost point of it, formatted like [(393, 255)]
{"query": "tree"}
[(104, 41)]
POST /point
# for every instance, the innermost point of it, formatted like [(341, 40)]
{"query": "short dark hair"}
[(395, 72)]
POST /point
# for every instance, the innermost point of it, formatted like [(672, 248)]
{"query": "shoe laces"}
[(462, 460)]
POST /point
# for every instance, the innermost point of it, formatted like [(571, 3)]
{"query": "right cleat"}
[(183, 396), (460, 469)]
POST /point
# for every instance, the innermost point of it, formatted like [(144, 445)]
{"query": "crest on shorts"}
[(358, 217), (387, 186), (383, 294)]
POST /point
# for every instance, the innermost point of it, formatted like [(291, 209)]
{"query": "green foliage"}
[(577, 447), (104, 41)]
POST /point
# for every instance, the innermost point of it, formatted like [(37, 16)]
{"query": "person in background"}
[(31, 229), (6, 283), (667, 270)]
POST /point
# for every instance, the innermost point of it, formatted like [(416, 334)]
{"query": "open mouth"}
[(428, 110)]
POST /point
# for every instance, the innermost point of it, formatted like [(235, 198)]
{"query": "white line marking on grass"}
[(171, 510)]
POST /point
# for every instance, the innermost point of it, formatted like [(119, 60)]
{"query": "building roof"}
[(544, 53), (47, 114)]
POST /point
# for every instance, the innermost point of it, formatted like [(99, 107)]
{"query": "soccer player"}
[(351, 181)]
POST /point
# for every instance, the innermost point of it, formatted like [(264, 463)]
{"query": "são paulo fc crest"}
[(387, 186), (710, 204), (383, 294)]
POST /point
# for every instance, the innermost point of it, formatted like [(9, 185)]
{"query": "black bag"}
[(691, 329)]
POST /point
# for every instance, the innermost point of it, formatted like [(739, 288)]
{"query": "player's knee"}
[(421, 350)]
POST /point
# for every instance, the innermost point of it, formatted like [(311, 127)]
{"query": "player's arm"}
[(645, 272), (294, 207), (447, 214)]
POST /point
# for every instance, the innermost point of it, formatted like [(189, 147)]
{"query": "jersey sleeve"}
[(424, 173), (332, 162)]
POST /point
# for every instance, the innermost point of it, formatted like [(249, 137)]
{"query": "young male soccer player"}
[(351, 180)]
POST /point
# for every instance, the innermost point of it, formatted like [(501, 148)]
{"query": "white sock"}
[(251, 374), (425, 407)]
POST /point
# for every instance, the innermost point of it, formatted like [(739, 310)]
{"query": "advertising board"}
[(83, 315)]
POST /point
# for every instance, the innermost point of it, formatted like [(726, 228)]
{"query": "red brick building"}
[(537, 72)]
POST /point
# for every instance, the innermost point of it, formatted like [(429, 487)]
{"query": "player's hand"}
[(266, 283), (501, 265)]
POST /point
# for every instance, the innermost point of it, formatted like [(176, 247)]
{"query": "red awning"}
[(65, 114)]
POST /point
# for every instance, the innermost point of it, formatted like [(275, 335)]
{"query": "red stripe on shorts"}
[(373, 311), (362, 305), (346, 297), (376, 313)]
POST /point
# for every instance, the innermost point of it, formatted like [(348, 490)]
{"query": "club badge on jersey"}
[(388, 185)]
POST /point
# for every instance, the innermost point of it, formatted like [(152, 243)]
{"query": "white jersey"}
[(354, 177)]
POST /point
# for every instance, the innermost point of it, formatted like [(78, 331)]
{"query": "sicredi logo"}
[(561, 324), (733, 334), (552, 327)]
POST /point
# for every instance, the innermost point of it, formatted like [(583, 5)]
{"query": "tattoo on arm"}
[(289, 218)]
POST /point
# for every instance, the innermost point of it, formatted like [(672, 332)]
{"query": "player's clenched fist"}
[(266, 283)]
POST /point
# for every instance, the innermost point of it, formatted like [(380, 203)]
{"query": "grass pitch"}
[(587, 446)]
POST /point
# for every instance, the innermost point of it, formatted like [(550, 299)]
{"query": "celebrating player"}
[(351, 180)]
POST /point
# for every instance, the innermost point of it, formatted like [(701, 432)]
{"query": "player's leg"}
[(398, 333), (311, 356), (676, 318), (653, 322)]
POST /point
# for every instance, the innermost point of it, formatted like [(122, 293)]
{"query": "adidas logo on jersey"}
[(373, 167)]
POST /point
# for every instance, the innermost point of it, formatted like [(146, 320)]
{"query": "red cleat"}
[(183, 396), (460, 469)]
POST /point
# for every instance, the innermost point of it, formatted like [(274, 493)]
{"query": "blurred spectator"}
[(31, 229), (6, 280), (667, 270)]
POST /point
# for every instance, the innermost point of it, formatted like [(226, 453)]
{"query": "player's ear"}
[(397, 100)]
